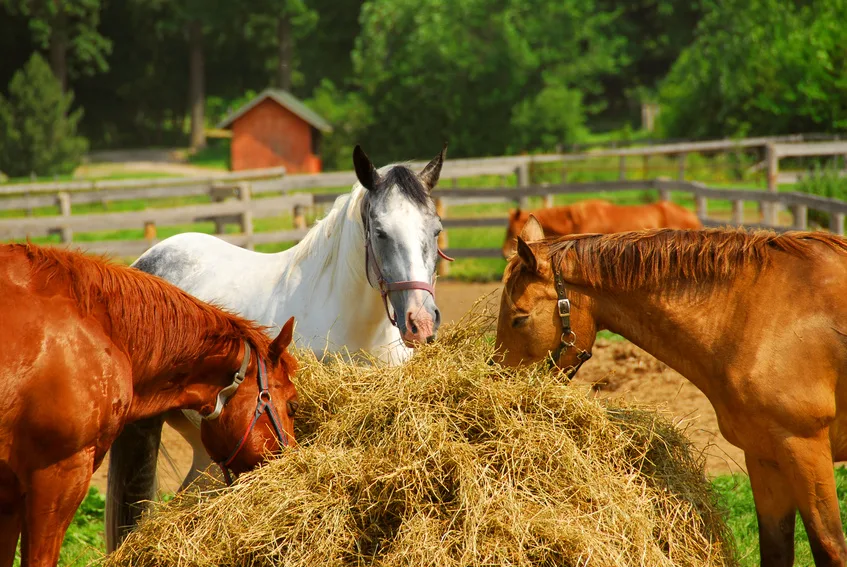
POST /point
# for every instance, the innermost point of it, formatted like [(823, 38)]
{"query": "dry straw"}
[(448, 461)]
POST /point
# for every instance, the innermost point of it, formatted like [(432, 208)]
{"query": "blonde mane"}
[(632, 260)]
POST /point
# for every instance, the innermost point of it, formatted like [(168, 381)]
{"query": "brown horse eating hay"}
[(757, 321), (599, 216), (88, 347)]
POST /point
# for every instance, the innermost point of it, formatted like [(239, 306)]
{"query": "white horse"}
[(376, 248)]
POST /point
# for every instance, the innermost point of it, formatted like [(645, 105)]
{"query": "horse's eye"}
[(520, 320), (292, 407), (437, 232), (381, 234)]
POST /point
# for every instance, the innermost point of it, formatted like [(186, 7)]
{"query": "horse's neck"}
[(682, 329), (339, 309)]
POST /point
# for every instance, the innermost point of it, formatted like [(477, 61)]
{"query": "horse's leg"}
[(807, 463), (52, 496), (132, 477), (775, 512), (10, 531), (191, 433)]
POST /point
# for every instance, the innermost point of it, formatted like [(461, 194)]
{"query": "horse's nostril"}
[(414, 329), (430, 339)]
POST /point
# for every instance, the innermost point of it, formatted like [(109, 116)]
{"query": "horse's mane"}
[(633, 260), (156, 319), (337, 240)]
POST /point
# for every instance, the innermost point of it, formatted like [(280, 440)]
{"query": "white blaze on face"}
[(408, 228)]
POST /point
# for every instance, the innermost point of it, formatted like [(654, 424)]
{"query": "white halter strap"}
[(225, 394)]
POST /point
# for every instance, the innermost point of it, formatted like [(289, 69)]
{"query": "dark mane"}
[(407, 182), (157, 320), (633, 260)]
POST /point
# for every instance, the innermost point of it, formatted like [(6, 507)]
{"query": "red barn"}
[(275, 129)]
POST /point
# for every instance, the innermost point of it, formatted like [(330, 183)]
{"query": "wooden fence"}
[(241, 199)]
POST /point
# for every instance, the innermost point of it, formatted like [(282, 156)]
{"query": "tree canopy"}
[(402, 76)]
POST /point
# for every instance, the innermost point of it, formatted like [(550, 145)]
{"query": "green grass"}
[(84, 541), (214, 155)]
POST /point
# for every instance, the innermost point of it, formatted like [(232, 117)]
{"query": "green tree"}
[(66, 29), (37, 127), (276, 26), (760, 66), (349, 115), (474, 72)]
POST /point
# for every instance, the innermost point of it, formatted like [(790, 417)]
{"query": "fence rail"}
[(242, 198)]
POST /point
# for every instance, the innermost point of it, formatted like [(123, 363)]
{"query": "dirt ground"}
[(617, 368)]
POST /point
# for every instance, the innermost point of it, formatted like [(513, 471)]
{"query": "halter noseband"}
[(384, 286), (568, 338), (264, 404)]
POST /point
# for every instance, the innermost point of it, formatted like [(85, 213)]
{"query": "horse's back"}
[(677, 216), (216, 271)]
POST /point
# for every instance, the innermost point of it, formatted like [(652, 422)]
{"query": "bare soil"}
[(617, 369)]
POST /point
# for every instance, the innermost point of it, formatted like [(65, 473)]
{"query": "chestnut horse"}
[(598, 216), (757, 321), (88, 347)]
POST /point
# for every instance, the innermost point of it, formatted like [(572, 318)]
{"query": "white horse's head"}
[(401, 230)]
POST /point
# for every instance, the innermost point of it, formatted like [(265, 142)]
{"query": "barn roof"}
[(284, 99)]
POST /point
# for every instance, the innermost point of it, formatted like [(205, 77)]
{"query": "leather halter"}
[(568, 338), (384, 286), (264, 404)]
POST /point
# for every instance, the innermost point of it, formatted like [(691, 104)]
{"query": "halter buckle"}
[(564, 306)]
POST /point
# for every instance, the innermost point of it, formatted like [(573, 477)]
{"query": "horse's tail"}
[(132, 477)]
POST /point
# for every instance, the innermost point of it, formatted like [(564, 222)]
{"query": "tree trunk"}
[(59, 49), (283, 34), (196, 84)]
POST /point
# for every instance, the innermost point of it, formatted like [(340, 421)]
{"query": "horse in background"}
[(362, 279), (90, 346), (599, 216), (757, 321)]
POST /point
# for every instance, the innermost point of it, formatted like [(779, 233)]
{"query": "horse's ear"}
[(366, 173), (526, 255), (430, 174), (532, 230), (282, 340)]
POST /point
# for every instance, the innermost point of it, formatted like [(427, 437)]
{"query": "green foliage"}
[(74, 22), (476, 73), (37, 127), (349, 115), (823, 182), (763, 67)]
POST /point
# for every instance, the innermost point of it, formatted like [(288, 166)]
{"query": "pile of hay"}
[(449, 461)]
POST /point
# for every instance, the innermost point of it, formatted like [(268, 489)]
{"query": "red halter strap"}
[(264, 404), (385, 287)]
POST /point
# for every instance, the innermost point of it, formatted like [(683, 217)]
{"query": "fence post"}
[(738, 212), (836, 223), (217, 196), (247, 214), (64, 199), (443, 268), (702, 207), (622, 168), (681, 158), (150, 233), (299, 217), (646, 166), (522, 173), (771, 210), (801, 217), (664, 193)]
